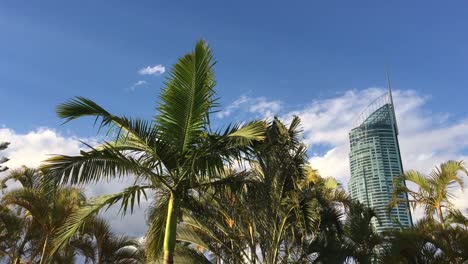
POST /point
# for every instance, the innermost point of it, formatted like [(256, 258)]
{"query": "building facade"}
[(375, 161)]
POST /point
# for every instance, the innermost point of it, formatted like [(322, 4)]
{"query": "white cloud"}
[(35, 146), (135, 85), (259, 106), (152, 70)]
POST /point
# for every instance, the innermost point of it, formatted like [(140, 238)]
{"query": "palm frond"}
[(91, 166), (187, 97), (187, 234), (80, 217), (142, 133), (244, 135), (417, 178), (31, 200), (28, 177)]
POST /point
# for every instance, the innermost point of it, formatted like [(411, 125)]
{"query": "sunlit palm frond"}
[(187, 97), (91, 166), (417, 178), (241, 136)]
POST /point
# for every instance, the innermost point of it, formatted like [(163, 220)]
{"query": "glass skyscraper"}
[(375, 161)]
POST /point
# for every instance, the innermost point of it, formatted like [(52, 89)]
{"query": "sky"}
[(321, 60)]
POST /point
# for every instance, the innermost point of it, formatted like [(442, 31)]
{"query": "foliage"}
[(175, 157), (30, 216), (3, 145)]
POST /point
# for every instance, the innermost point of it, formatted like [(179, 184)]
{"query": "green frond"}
[(188, 97), (91, 166), (449, 173), (31, 200), (141, 132), (80, 217), (187, 234), (245, 135), (310, 214), (417, 178), (188, 254), (27, 177), (81, 107), (457, 217)]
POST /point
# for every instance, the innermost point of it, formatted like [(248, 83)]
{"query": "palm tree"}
[(433, 192), (419, 244), (13, 235), (176, 156), (360, 237), (108, 247), (43, 208)]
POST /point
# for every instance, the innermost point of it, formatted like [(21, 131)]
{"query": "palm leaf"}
[(187, 97), (79, 218), (91, 166), (242, 136)]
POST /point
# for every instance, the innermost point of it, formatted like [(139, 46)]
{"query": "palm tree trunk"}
[(441, 217), (44, 249), (170, 232)]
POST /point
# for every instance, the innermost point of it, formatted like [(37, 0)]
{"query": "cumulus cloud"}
[(31, 148), (152, 70), (135, 85), (259, 107), (35, 146)]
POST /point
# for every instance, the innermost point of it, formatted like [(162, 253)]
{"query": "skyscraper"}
[(375, 161)]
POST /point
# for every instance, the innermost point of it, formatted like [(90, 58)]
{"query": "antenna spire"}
[(391, 101), (389, 86)]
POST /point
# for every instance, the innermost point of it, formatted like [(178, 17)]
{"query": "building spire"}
[(391, 100), (389, 86)]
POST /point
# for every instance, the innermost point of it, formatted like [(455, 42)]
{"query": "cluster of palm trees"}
[(242, 194), (441, 236), (31, 214)]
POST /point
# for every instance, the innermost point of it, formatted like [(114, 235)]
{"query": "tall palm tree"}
[(433, 192), (175, 156)]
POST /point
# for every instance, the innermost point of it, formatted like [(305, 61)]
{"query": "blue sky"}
[(321, 60), (293, 52)]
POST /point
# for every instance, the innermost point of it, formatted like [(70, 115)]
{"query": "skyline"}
[(317, 61)]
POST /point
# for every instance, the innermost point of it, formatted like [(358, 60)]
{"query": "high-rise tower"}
[(375, 161)]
